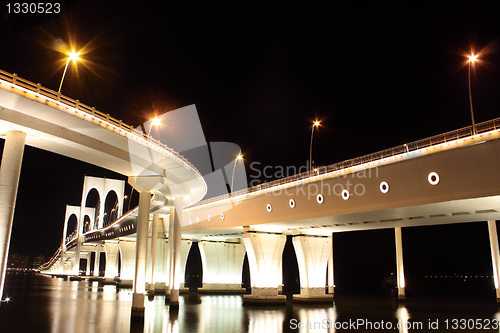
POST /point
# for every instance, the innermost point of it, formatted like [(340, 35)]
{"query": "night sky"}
[(377, 74)]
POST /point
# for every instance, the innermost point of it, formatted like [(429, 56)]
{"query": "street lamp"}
[(315, 124), (238, 158), (472, 59), (72, 56), (155, 122)]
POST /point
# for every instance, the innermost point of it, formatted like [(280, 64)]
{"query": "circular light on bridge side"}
[(269, 208), (222, 216), (190, 221), (345, 194), (319, 198), (291, 203), (384, 187), (209, 218), (197, 220), (433, 178)]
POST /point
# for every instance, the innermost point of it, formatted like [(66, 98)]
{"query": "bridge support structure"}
[(399, 264), (97, 260), (112, 252), (139, 285), (10, 170), (175, 248), (313, 253), (127, 256), (331, 273), (264, 252), (495, 256), (222, 263)]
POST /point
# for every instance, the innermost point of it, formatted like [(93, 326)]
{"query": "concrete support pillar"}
[(312, 256), (141, 254), (331, 274), (154, 242), (222, 264), (161, 272), (111, 270), (78, 252), (97, 260), (264, 256), (495, 257), (127, 256), (87, 270), (10, 170), (399, 264), (175, 234)]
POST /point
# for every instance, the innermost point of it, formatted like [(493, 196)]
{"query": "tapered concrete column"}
[(264, 256), (78, 252), (161, 272), (111, 270), (175, 234), (399, 264), (331, 273), (222, 263), (10, 170), (141, 254), (87, 270), (127, 271), (154, 241), (97, 260), (312, 256), (495, 257)]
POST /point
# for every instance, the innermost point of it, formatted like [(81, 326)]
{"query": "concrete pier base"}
[(108, 281), (313, 295), (264, 296), (221, 288), (125, 283), (137, 306), (264, 300)]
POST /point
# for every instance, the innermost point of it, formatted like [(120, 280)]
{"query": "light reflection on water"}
[(43, 304)]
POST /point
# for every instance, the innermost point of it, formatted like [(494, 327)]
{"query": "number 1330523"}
[(34, 8)]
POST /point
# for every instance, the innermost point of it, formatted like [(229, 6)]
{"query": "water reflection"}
[(54, 305)]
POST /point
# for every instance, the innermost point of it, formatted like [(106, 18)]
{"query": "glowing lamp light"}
[(472, 58), (74, 56)]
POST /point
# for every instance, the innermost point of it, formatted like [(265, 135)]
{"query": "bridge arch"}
[(93, 200), (103, 186), (111, 208), (72, 225)]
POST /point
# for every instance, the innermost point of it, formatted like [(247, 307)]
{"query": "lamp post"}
[(238, 158), (315, 124), (155, 122), (72, 56), (472, 59)]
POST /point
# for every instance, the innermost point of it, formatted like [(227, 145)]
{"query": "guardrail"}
[(398, 150), (49, 93)]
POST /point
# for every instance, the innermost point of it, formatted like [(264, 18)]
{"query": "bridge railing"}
[(483, 127), (49, 93)]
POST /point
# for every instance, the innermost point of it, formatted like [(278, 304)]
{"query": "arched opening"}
[(94, 201), (290, 268), (245, 274), (130, 199), (194, 269), (86, 224), (110, 208), (102, 263), (72, 226)]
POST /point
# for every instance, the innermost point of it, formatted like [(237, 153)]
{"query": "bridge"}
[(448, 178)]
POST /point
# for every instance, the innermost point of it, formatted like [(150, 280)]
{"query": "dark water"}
[(44, 304)]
